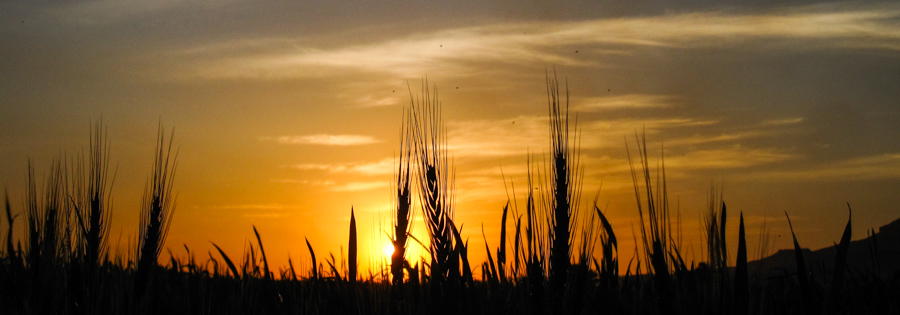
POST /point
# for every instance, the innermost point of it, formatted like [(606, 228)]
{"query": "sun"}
[(388, 250)]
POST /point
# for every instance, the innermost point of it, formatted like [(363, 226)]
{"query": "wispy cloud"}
[(263, 206), (629, 126), (100, 12), (360, 186), (261, 211), (324, 139), (625, 102), (384, 166), (371, 100), (724, 137), (484, 138), (335, 186), (304, 182), (736, 156), (841, 26), (518, 136), (874, 167), (782, 122)]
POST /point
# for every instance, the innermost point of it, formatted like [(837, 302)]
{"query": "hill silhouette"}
[(878, 253)]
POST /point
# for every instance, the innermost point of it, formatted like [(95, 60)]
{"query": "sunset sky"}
[(287, 113)]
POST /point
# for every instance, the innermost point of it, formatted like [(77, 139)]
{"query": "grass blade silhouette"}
[(723, 247), (10, 219), (840, 259), (802, 273), (291, 265), (228, 262), (609, 268), (351, 260), (266, 275), (463, 252), (741, 276), (501, 252), (334, 270), (491, 271), (312, 254), (607, 227)]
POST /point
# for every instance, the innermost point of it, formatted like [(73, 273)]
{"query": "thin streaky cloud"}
[(724, 137), (782, 122), (627, 101), (304, 182), (733, 157), (495, 138), (874, 167), (381, 167), (334, 186), (318, 167), (452, 51), (370, 100), (360, 186), (266, 206), (518, 136), (330, 140), (105, 12)]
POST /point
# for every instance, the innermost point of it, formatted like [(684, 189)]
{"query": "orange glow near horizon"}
[(285, 125), (388, 250)]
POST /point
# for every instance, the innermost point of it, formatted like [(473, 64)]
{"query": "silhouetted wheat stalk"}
[(655, 226), (47, 237), (562, 195), (716, 247), (33, 221), (563, 185), (403, 216), (93, 204), (536, 249), (435, 184), (44, 216), (50, 280), (156, 211), (764, 241), (714, 218)]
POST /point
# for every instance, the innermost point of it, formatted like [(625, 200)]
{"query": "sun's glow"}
[(388, 250)]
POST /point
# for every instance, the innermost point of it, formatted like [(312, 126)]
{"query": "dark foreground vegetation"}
[(554, 261)]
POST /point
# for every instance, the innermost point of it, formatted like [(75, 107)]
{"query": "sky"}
[(286, 114)]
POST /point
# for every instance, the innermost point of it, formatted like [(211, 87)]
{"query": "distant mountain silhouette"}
[(879, 253)]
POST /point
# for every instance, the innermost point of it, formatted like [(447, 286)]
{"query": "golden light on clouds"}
[(287, 114), (322, 139), (452, 52)]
